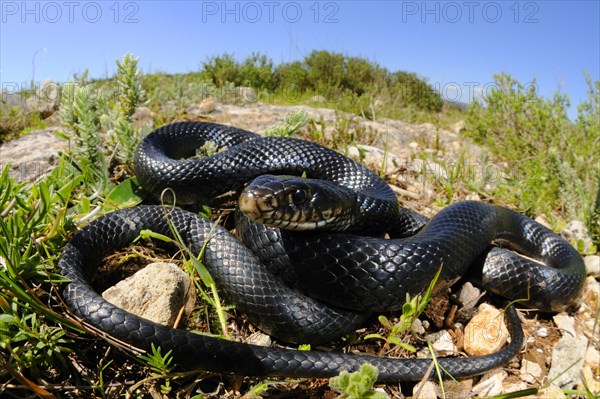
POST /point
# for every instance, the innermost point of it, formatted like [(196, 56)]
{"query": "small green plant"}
[(357, 385), (411, 310), (294, 121), (79, 112), (161, 366), (347, 131), (129, 85)]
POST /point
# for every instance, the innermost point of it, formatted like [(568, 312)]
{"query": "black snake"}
[(378, 270)]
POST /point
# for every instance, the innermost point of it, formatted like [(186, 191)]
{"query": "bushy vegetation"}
[(552, 162), (353, 84)]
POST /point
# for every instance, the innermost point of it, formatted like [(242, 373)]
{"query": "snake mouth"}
[(268, 210), (289, 203)]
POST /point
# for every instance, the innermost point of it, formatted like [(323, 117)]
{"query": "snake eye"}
[(299, 197)]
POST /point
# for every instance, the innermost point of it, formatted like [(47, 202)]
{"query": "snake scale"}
[(318, 310)]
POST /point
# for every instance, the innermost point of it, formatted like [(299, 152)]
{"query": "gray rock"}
[(157, 292), (591, 293), (143, 117), (567, 361), (442, 342), (32, 155), (469, 295), (318, 99), (11, 100), (458, 127), (246, 94), (202, 108), (576, 233), (45, 100)]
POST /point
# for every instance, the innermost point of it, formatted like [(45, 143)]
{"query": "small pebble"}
[(592, 265), (531, 372), (442, 342), (490, 384), (425, 390)]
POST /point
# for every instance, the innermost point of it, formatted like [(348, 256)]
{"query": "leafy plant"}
[(79, 112), (411, 310), (161, 366), (294, 121), (357, 385)]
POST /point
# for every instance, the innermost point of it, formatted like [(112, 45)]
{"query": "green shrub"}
[(554, 162), (257, 71), (221, 69)]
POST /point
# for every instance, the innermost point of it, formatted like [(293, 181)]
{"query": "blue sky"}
[(456, 45)]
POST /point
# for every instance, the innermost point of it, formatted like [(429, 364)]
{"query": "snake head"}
[(295, 203)]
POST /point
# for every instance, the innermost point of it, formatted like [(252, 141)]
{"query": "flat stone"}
[(565, 323), (33, 154)]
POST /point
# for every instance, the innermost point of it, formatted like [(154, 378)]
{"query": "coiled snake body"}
[(378, 270)]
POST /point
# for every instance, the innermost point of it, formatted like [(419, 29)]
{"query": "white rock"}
[(457, 127), (592, 265), (531, 372), (472, 197), (541, 219), (565, 323), (592, 357), (157, 292), (259, 338), (591, 293), (246, 94), (417, 327), (45, 101), (490, 384), (469, 295), (486, 332), (425, 390), (33, 154), (567, 360), (442, 341), (542, 332)]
